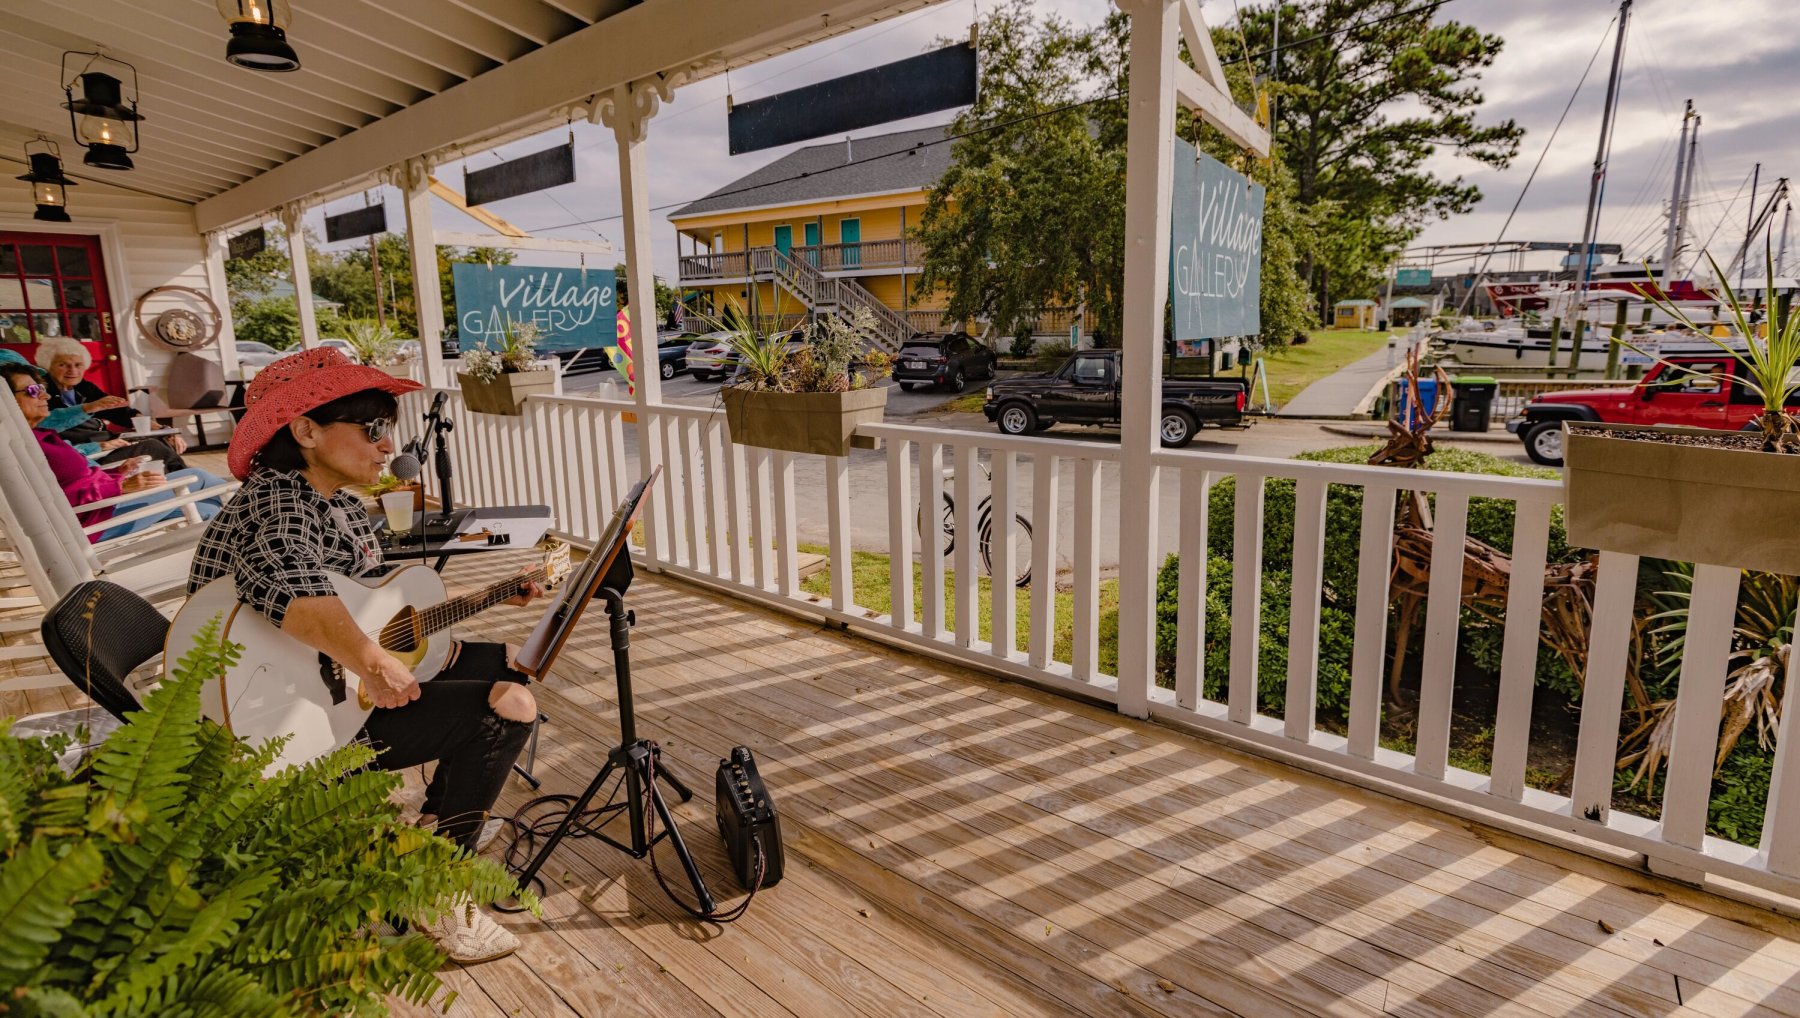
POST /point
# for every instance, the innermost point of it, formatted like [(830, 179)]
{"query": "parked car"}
[(341, 346), (1701, 391), (943, 360), (1085, 390), (712, 358), (252, 354), (671, 353), (793, 341), (409, 350)]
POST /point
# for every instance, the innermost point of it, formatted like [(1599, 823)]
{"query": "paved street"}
[(1274, 437)]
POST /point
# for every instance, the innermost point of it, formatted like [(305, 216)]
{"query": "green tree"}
[(271, 320), (1364, 95)]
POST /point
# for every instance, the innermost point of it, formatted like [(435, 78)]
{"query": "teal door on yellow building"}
[(812, 243), (784, 239), (850, 235)]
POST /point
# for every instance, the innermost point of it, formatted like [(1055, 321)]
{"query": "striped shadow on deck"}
[(962, 846)]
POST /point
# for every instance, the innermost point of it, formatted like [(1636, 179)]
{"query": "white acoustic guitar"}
[(280, 686)]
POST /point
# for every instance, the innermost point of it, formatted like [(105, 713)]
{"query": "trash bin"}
[(1405, 412), (1472, 406)]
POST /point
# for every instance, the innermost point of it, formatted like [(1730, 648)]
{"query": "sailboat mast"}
[(1749, 224), (1668, 257), (1687, 191), (1787, 217), (1600, 155)]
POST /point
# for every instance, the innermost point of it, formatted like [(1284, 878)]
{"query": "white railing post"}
[(1084, 656), (1046, 513), (787, 557), (968, 582), (1190, 569), (1246, 597), (1706, 654), (1443, 606), (1519, 648), (428, 295), (931, 544), (1300, 714), (900, 534), (1603, 688), (1369, 656), (1001, 589), (300, 274), (1781, 818), (837, 508)]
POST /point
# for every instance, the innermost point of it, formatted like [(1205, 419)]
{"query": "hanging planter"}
[(497, 381), (1686, 494), (823, 423)]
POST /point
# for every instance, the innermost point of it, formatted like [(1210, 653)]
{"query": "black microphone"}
[(437, 405), (405, 466)]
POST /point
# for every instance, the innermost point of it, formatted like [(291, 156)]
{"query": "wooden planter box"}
[(1688, 503), (815, 422), (506, 394)]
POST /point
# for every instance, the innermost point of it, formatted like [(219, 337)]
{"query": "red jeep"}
[(1665, 396)]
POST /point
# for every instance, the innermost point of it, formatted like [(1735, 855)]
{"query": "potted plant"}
[(167, 875), (1692, 494), (810, 399), (496, 381), (376, 346)]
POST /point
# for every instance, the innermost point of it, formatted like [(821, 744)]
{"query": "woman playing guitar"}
[(314, 424)]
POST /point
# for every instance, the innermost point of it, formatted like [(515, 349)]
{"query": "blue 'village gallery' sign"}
[(1215, 249), (572, 308)]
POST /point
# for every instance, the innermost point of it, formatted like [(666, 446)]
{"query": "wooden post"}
[(375, 271), (1575, 346), (300, 272), (1555, 339), (428, 292), (1612, 349)]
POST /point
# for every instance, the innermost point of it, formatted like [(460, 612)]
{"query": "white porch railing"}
[(733, 517)]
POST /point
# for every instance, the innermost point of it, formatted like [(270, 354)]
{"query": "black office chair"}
[(98, 634)]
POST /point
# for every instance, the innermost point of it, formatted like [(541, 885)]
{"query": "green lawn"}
[(1296, 367), (869, 572)]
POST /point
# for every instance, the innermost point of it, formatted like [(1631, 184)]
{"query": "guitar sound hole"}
[(399, 635)]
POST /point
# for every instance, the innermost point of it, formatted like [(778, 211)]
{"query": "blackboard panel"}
[(356, 223), (940, 80), (248, 244), (535, 172)]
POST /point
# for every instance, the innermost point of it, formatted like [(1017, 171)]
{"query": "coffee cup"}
[(141, 424), (398, 505)]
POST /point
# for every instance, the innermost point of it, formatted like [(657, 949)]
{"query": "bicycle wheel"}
[(1021, 539), (949, 524)]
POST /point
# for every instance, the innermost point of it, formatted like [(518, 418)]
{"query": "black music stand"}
[(636, 762)]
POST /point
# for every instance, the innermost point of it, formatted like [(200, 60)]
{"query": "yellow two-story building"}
[(822, 229)]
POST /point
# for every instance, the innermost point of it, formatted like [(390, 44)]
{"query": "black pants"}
[(452, 723), (155, 448)]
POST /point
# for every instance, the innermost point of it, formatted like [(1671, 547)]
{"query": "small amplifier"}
[(747, 820)]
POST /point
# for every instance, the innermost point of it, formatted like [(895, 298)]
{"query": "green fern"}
[(172, 878)]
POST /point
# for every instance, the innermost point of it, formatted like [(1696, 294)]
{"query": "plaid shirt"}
[(279, 538)]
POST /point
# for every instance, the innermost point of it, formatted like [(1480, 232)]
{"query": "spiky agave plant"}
[(1768, 361)]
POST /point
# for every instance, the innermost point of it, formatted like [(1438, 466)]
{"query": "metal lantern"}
[(47, 181), (259, 34), (101, 120)]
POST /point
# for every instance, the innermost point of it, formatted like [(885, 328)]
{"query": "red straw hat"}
[(290, 387)]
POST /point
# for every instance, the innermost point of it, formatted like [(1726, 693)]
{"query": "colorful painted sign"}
[(572, 308), (621, 352), (1215, 249)]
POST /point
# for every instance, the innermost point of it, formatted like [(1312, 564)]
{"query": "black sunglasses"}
[(376, 429)]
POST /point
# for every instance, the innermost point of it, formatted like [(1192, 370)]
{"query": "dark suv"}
[(943, 360)]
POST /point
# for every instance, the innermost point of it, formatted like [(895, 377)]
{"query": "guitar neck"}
[(440, 617)]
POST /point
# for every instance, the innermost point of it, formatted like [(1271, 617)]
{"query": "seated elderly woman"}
[(81, 411), (82, 482)]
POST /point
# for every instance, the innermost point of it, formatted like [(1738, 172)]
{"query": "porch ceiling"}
[(379, 82)]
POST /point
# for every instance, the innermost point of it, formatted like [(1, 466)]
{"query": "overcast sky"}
[(1737, 61)]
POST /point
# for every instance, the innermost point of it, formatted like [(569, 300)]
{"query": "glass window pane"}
[(9, 259), (47, 325), (40, 293), (12, 294), (85, 325), (78, 294), (38, 259), (74, 261)]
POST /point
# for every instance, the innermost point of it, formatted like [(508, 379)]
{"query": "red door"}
[(54, 284)]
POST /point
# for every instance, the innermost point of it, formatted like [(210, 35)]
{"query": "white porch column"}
[(428, 295), (628, 111), (1150, 128), (301, 274), (221, 295)]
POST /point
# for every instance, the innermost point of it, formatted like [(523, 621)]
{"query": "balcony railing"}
[(733, 517), (868, 255)]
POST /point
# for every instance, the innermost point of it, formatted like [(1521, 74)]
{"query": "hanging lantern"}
[(47, 181), (259, 34), (101, 120)]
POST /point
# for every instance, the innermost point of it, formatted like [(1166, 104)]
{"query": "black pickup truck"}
[(1085, 390)]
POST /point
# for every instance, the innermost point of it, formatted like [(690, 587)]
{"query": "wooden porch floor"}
[(957, 845)]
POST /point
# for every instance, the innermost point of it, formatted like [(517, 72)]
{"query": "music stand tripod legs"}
[(639, 761)]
